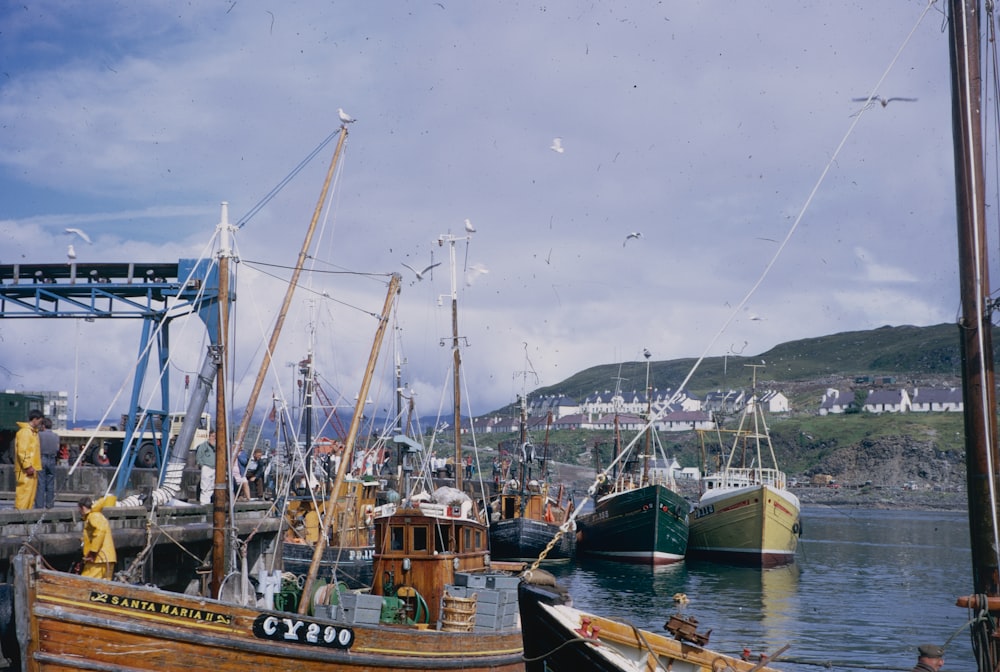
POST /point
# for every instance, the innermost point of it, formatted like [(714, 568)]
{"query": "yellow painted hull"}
[(753, 525)]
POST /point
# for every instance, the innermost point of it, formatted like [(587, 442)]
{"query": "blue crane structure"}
[(156, 293)]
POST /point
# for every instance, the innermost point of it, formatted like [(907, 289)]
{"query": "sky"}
[(772, 206)]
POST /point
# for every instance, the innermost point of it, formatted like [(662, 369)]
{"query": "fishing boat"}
[(436, 601), (350, 545), (561, 638), (745, 514), (526, 517), (638, 515)]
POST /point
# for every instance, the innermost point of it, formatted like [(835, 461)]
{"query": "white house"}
[(836, 401), (887, 401), (948, 400)]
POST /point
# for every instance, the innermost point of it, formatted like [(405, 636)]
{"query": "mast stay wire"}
[(284, 181)]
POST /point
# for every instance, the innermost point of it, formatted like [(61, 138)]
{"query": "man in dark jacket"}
[(45, 497)]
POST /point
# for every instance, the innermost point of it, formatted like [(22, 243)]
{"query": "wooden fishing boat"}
[(434, 607), (525, 516), (560, 638), (350, 550), (745, 514), (435, 602)]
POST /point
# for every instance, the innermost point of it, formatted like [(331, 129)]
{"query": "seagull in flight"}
[(420, 274), (474, 272), (557, 146), (81, 233), (469, 228), (883, 101), (345, 118), (634, 234)]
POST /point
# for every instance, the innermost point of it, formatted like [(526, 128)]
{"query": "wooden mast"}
[(978, 385), (220, 500), (292, 284), (346, 456), (457, 359)]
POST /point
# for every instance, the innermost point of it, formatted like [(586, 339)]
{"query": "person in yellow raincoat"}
[(27, 461), (99, 555)]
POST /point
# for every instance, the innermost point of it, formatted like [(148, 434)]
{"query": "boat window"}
[(396, 538), (419, 539), (440, 545), (467, 542)]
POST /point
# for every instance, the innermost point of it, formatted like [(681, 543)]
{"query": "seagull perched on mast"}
[(420, 274), (634, 234), (71, 253), (81, 233), (469, 228), (345, 118)]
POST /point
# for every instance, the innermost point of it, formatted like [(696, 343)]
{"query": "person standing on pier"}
[(205, 458), (48, 442), (27, 461), (99, 556)]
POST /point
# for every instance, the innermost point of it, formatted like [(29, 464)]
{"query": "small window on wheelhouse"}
[(396, 538), (419, 539)]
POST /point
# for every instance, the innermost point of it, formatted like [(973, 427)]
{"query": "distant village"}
[(682, 411)]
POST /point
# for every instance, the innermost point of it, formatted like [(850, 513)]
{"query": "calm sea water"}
[(866, 589)]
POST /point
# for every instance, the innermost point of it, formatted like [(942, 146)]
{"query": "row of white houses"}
[(684, 412), (921, 400), (663, 402)]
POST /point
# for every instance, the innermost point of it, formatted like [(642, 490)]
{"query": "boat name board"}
[(302, 631), (703, 511), (709, 509), (134, 604)]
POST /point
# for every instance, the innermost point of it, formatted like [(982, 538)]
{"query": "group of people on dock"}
[(36, 449)]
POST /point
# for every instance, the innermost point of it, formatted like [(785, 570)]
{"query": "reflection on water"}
[(867, 588)]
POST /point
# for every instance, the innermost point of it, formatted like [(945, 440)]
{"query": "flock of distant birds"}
[(556, 146)]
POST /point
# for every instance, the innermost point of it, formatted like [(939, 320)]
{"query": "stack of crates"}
[(496, 598)]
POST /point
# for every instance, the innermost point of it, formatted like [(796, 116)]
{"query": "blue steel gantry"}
[(153, 292)]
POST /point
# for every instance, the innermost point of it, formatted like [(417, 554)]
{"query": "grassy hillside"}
[(913, 355), (886, 450)]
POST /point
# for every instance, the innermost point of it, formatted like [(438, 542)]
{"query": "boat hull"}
[(68, 622), (559, 638), (647, 525), (755, 525), (524, 539), (353, 565)]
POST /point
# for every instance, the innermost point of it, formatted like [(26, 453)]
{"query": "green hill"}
[(890, 451), (913, 355)]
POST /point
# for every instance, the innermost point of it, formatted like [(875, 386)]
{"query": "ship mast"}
[(456, 354), (976, 321), (221, 493)]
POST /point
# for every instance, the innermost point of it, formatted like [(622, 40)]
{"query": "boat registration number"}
[(704, 510), (302, 631)]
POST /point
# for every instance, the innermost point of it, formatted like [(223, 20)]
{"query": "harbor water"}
[(867, 588)]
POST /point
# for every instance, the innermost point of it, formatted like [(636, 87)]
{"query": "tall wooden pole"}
[(292, 284), (221, 499), (975, 325)]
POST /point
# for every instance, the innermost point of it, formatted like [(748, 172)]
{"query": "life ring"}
[(369, 515)]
